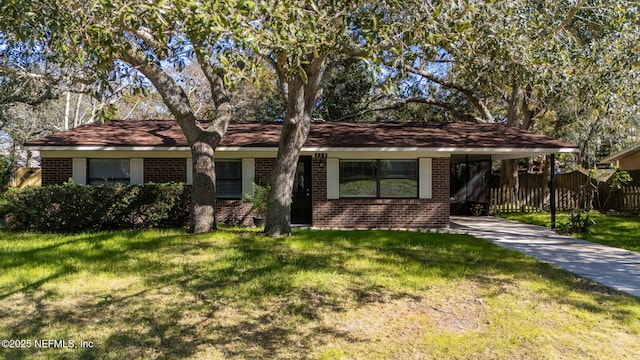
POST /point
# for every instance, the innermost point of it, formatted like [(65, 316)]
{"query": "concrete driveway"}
[(613, 267)]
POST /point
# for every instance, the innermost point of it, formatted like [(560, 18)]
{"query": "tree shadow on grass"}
[(464, 256), (235, 295), (175, 316)]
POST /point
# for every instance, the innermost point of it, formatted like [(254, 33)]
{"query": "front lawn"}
[(618, 231), (314, 295)]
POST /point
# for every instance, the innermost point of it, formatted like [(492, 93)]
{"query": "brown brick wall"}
[(264, 166), (383, 213), (56, 170), (161, 170), (338, 213)]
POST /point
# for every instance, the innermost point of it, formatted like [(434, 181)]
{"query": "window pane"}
[(229, 169), (228, 189), (406, 169), (298, 183), (109, 171), (358, 178), (229, 179), (398, 178), (398, 188)]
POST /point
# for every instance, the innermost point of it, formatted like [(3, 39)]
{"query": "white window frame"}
[(425, 178)]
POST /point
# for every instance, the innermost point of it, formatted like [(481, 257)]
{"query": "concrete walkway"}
[(613, 267)]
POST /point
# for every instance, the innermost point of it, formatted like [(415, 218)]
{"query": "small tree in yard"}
[(258, 199), (618, 180)]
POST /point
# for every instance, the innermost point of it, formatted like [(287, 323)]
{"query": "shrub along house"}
[(350, 175)]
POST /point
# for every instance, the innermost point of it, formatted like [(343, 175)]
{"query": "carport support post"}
[(552, 190)]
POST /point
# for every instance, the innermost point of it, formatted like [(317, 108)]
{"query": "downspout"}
[(552, 190), (466, 178)]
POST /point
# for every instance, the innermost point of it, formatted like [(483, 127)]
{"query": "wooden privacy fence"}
[(629, 198), (626, 199), (573, 190)]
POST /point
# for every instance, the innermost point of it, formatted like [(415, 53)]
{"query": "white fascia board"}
[(242, 153), (523, 154), (256, 152), (620, 154), (248, 149), (447, 150), (108, 148), (305, 149), (114, 154)]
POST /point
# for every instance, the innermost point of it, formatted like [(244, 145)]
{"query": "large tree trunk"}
[(294, 134), (203, 190), (203, 141), (301, 98)]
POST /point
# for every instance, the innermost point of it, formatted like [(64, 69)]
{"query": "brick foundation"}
[(56, 170), (235, 212), (162, 170)]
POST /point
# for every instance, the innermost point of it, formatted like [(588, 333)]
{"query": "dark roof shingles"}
[(167, 133)]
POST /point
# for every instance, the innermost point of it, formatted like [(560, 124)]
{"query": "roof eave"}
[(620, 154), (449, 150)]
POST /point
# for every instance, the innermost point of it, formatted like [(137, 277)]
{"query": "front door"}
[(301, 205)]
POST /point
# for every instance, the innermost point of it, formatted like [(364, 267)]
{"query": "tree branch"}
[(282, 81), (432, 102), (52, 79), (486, 116), (173, 95), (569, 16), (18, 97), (219, 94)]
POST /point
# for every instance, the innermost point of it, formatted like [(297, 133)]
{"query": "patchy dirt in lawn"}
[(403, 323)]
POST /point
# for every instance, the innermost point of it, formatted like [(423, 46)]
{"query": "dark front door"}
[(301, 205)]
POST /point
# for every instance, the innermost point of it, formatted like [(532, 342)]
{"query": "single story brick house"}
[(350, 175)]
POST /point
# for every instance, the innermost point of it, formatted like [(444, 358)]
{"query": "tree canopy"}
[(560, 67)]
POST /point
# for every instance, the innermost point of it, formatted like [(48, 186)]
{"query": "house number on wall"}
[(320, 155)]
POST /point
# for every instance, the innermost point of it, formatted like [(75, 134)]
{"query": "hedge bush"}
[(72, 207)]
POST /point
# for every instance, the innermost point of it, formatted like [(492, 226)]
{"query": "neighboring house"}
[(627, 159), (350, 175)]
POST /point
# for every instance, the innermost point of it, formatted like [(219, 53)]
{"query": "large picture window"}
[(109, 171), (378, 178), (229, 179)]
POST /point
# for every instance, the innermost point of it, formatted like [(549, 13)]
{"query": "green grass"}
[(317, 294), (622, 232)]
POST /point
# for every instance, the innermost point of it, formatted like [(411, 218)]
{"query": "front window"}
[(229, 179), (398, 178), (109, 171), (378, 178)]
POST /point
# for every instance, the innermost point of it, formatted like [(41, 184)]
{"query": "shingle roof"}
[(167, 133)]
